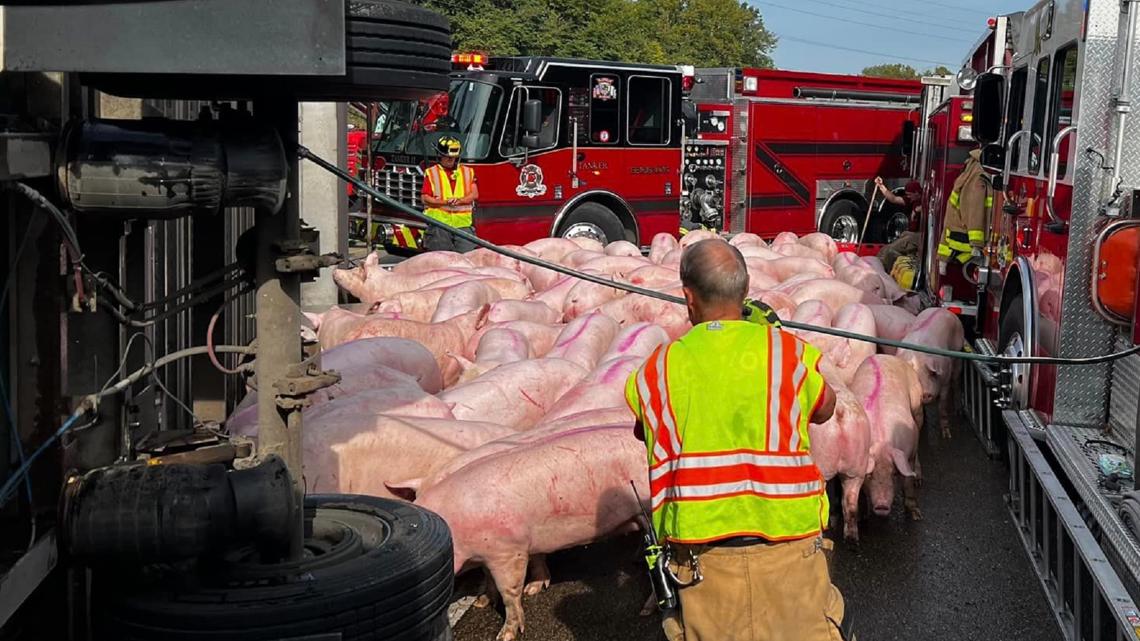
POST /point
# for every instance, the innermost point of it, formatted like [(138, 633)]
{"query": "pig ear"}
[(464, 364), (372, 259), (901, 462), (870, 464), (406, 490)]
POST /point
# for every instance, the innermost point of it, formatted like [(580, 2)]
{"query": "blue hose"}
[(27, 464)]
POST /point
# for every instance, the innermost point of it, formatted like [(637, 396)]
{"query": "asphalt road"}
[(960, 574)]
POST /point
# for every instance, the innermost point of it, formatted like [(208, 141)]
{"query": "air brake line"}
[(303, 152)]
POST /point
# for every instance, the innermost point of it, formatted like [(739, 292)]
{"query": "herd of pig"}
[(491, 391)]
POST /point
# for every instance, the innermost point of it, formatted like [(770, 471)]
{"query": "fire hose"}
[(303, 152)]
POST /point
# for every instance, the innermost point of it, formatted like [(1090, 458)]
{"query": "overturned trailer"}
[(150, 178)]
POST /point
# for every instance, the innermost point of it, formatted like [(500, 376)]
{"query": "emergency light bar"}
[(472, 60)]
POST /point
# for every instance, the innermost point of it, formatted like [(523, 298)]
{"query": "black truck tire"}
[(843, 221), (374, 569), (592, 220), (393, 50)]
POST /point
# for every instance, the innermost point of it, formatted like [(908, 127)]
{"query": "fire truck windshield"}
[(467, 111)]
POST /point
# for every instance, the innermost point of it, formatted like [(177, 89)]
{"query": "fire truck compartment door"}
[(1115, 271)]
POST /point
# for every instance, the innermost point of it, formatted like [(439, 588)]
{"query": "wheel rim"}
[(585, 230), (845, 228), (335, 539), (1018, 372), (896, 226)]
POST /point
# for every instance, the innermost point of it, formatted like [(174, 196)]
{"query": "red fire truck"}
[(801, 152), (624, 151), (1060, 279), (944, 144)]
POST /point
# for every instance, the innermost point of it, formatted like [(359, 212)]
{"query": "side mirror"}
[(530, 141), (993, 163), (993, 158), (532, 116), (986, 127), (908, 130)]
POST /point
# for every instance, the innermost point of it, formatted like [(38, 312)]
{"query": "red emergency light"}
[(991, 23), (470, 59)]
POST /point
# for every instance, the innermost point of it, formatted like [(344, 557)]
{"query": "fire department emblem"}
[(604, 89), (530, 181)]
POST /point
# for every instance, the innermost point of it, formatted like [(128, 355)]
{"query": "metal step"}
[(1086, 595), (979, 382)]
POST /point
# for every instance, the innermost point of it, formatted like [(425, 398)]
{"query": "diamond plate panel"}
[(1124, 393), (739, 178), (1082, 397), (1077, 450)]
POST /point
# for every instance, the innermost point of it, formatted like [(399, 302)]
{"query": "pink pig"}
[(936, 327), (841, 447), (889, 392), (503, 508)]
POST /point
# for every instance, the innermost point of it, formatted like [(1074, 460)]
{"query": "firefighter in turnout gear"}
[(963, 231), (449, 193), (736, 497)]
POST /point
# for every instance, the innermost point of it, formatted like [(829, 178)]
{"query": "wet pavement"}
[(960, 574)]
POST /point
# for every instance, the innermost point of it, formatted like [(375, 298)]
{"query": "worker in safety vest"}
[(963, 231), (449, 193), (735, 496)]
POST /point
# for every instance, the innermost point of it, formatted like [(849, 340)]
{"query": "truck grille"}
[(401, 182)]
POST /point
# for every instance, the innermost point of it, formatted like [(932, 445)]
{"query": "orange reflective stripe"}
[(795, 412), (668, 417), (709, 476), (789, 386), (776, 383), (655, 380), (648, 390), (433, 180)]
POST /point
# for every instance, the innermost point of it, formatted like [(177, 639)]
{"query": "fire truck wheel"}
[(372, 569), (1011, 338), (887, 228), (591, 220), (843, 221)]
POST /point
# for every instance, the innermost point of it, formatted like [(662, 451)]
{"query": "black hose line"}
[(303, 152)]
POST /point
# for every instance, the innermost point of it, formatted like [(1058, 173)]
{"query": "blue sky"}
[(914, 32)]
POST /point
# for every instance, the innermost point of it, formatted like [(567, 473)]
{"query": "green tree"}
[(896, 70), (709, 33), (905, 72)]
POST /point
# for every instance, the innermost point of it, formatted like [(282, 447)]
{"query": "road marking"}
[(456, 610)]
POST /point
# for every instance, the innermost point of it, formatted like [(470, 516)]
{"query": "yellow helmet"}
[(448, 146)]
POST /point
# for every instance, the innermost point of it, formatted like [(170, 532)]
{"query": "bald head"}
[(715, 273)]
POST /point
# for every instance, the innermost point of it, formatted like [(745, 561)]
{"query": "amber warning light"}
[(470, 60)]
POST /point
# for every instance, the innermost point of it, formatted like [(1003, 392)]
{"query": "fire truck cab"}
[(559, 147), (945, 143), (1060, 279)]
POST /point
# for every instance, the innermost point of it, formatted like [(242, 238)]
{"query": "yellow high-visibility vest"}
[(443, 188), (731, 458)]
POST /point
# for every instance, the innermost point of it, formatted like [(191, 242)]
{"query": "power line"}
[(887, 12), (865, 24), (827, 45), (957, 7)]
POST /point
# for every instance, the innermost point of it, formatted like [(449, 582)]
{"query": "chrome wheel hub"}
[(585, 230)]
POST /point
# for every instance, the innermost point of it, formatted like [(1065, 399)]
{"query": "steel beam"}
[(278, 323)]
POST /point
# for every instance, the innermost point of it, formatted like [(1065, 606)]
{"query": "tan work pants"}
[(777, 592)]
